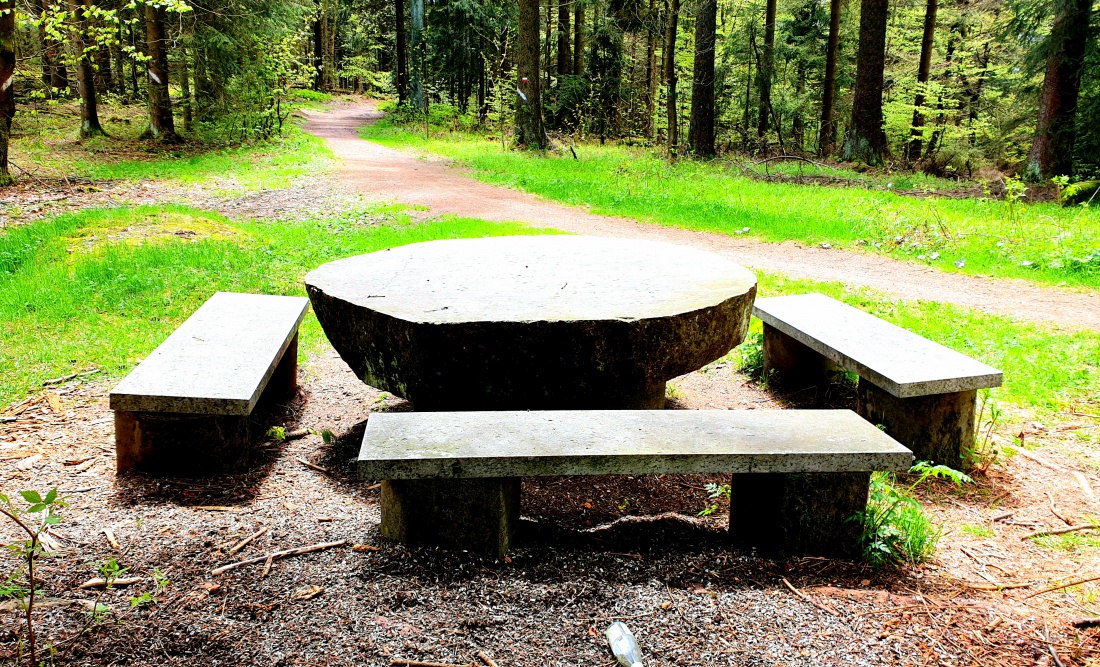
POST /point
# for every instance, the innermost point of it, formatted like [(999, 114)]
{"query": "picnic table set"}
[(548, 355)]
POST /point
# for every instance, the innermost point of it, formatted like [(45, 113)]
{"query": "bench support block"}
[(478, 515), (938, 428), (175, 444), (793, 365), (792, 514)]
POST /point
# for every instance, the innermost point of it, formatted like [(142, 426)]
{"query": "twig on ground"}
[(1083, 482), (1075, 582), (314, 466), (1003, 515), (805, 598), (111, 539), (418, 663), (1055, 512), (1060, 531), (279, 554), (486, 659), (68, 377), (100, 583), (297, 433), (995, 586), (1028, 454), (372, 487), (244, 543)]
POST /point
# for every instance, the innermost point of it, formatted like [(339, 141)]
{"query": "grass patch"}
[(977, 530), (1042, 242), (103, 287)]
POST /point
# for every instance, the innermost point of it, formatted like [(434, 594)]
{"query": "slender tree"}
[(1052, 149), (673, 12), (185, 90), (7, 84), (401, 55), (416, 56), (827, 133), (767, 69), (866, 139), (923, 69), (530, 131), (651, 28), (565, 53), (162, 126), (578, 37), (701, 126), (89, 109)]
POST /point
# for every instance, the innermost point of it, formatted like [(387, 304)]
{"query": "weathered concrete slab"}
[(605, 442), (894, 359), (531, 322), (219, 361)]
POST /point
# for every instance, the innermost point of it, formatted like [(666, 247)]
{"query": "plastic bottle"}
[(623, 645)]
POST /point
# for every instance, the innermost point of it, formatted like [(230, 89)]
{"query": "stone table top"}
[(531, 321)]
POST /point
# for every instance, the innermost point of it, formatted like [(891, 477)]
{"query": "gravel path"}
[(404, 177)]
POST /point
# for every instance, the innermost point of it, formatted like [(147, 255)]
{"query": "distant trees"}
[(162, 126)]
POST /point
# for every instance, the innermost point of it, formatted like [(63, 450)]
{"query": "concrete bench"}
[(922, 393), (453, 478), (186, 409)]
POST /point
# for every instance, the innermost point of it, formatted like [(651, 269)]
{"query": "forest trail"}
[(404, 177)]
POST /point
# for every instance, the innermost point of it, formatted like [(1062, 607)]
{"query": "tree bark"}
[(1052, 149), (767, 70), (565, 53), (827, 133), (185, 89), (416, 56), (402, 55), (673, 10), (578, 38), (916, 133), (530, 131), (866, 140), (7, 85), (318, 53), (89, 112), (651, 72), (162, 126), (701, 126)]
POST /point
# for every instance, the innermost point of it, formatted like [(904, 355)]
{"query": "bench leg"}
[(938, 428), (478, 515), (793, 514), (793, 365), (283, 385), (181, 445)]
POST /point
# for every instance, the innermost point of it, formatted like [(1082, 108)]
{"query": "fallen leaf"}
[(27, 463), (307, 593), (211, 587), (666, 605)]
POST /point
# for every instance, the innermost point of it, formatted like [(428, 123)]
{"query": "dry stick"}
[(267, 566), (244, 543), (805, 598), (1059, 531), (314, 466), (1082, 580), (1055, 512), (1083, 482), (417, 663), (111, 539), (486, 659), (98, 583), (1028, 454), (279, 554)]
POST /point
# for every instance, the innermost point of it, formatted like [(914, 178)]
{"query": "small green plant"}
[(672, 392), (1059, 182), (714, 492), (984, 452), (1015, 192), (624, 505), (328, 437), (33, 521), (895, 528), (147, 597), (111, 570), (751, 353), (277, 433)]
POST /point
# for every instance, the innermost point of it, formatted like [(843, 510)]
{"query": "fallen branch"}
[(1059, 531), (993, 586), (244, 543), (314, 466), (791, 157), (1086, 623), (1055, 512), (1075, 582), (417, 663), (486, 659), (1083, 482), (70, 376), (101, 583), (805, 598), (279, 554), (1028, 454)]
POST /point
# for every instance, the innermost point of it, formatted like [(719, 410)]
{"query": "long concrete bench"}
[(798, 476), (186, 409), (922, 392)]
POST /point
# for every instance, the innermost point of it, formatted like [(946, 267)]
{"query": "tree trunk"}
[(133, 62), (89, 112), (578, 38), (866, 140), (318, 53), (47, 56), (162, 127), (416, 53), (118, 72), (402, 55), (827, 133), (651, 72), (185, 89), (673, 10), (767, 70), (565, 53), (916, 134), (7, 85), (701, 126), (546, 44), (530, 132), (1052, 149)]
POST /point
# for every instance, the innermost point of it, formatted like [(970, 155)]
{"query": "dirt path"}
[(404, 177)]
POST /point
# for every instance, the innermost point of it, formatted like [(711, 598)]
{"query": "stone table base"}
[(477, 515), (792, 514), (938, 428)]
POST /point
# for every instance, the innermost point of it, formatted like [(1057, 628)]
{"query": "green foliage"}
[(277, 433), (714, 492), (1084, 193)]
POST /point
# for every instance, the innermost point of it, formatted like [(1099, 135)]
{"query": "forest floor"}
[(425, 180), (590, 550)]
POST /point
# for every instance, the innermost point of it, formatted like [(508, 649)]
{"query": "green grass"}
[(103, 287), (1042, 242)]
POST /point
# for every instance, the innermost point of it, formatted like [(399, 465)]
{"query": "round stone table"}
[(531, 322)]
